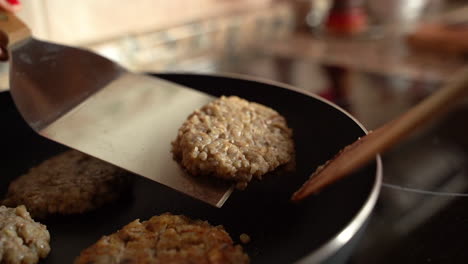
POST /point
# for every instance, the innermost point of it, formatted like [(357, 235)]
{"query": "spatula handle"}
[(13, 28)]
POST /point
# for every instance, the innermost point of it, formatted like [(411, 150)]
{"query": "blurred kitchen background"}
[(375, 58), (323, 46)]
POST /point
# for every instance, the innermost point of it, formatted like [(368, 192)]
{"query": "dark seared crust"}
[(69, 183), (233, 139), (165, 239), (22, 241)]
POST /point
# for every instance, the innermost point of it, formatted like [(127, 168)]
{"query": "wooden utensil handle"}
[(362, 151), (435, 105), (13, 28)]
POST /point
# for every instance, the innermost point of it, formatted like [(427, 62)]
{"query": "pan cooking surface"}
[(281, 232)]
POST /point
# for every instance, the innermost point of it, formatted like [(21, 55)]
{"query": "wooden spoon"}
[(366, 148)]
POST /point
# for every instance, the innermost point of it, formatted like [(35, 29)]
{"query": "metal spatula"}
[(91, 104)]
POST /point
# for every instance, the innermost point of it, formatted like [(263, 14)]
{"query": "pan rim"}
[(351, 229)]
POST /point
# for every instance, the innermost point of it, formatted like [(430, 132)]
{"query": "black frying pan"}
[(281, 232)]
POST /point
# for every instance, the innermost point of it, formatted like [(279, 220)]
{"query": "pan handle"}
[(12, 31)]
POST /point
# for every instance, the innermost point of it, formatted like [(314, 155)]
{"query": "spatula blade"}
[(123, 118), (131, 123), (47, 80)]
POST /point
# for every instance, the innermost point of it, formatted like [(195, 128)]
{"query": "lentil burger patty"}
[(165, 239), (69, 183), (22, 241), (233, 139)]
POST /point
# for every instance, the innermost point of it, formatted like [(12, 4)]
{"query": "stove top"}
[(422, 212)]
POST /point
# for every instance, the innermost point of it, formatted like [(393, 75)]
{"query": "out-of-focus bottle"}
[(346, 17)]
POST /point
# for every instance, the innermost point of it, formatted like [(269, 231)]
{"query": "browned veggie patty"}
[(233, 139), (69, 183), (165, 239), (22, 241)]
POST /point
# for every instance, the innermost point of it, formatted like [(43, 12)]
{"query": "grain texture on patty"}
[(233, 139), (165, 239), (69, 183), (22, 240)]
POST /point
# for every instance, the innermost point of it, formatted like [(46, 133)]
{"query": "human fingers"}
[(10, 5)]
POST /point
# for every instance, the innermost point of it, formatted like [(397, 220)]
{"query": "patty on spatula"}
[(233, 139)]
